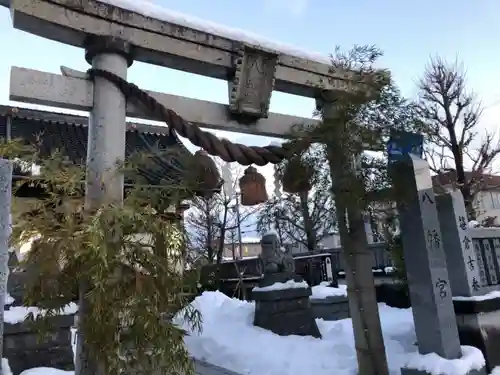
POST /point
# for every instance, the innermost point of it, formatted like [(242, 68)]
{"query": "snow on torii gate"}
[(114, 37), (253, 68)]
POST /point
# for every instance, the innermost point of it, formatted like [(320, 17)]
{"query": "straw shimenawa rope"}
[(223, 148)]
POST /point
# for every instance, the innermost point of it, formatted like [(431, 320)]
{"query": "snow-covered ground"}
[(230, 340)]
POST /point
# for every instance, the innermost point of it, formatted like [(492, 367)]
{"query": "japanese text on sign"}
[(433, 238), (441, 285)]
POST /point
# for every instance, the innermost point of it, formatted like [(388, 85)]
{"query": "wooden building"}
[(51, 131)]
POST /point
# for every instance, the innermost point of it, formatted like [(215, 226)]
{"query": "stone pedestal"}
[(330, 308), (25, 348), (479, 325), (285, 311)]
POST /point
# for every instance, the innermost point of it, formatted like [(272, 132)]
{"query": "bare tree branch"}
[(211, 221), (450, 120)]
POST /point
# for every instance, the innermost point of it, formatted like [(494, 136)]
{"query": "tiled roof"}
[(68, 133)]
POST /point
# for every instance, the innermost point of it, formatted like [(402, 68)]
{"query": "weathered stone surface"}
[(253, 82), (426, 268), (297, 320), (284, 311), (330, 308), (274, 259), (482, 330), (25, 348), (160, 42), (463, 265)]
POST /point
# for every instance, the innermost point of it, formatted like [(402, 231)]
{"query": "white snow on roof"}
[(149, 9)]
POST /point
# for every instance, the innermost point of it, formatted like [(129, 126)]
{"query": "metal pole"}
[(233, 251), (238, 218)]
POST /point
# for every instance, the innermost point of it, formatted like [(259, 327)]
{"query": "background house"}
[(486, 201), (250, 247)]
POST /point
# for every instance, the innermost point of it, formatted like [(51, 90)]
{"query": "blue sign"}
[(403, 143)]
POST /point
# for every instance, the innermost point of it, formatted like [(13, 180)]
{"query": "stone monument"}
[(425, 260), (473, 277), (282, 298)]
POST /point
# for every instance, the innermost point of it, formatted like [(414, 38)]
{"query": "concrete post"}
[(358, 258), (105, 151), (425, 259), (5, 231)]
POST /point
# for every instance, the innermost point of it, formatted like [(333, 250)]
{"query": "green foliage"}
[(396, 251), (129, 258), (353, 121)]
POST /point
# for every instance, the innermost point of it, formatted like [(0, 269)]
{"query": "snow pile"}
[(323, 290), (491, 295), (474, 224), (290, 284), (472, 359), (149, 9), (22, 249), (389, 269), (46, 371), (9, 300), (496, 371), (6, 367), (230, 340), (17, 314)]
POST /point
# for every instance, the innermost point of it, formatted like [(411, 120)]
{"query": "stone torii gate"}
[(113, 38)]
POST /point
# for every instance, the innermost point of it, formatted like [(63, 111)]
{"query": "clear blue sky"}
[(407, 32)]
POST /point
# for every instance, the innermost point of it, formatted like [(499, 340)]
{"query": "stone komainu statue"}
[(273, 257)]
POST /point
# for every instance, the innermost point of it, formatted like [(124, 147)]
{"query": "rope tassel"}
[(253, 188)]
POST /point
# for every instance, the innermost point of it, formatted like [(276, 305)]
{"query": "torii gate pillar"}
[(105, 147), (107, 121)]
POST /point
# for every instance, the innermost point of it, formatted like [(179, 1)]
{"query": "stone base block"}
[(285, 312), (330, 308), (479, 326), (25, 348)]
